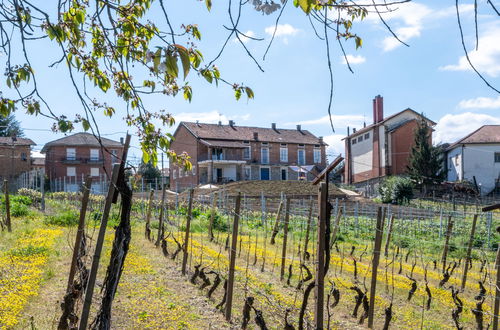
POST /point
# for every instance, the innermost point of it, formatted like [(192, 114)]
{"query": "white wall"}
[(479, 161), (454, 160), (362, 154), (228, 171), (381, 139)]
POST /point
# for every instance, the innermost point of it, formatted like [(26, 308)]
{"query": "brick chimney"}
[(378, 109), (231, 123), (299, 128), (273, 126), (255, 136)]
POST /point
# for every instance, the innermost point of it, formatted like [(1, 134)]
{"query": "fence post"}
[(232, 258), (336, 227), (469, 251), (147, 231), (188, 228), (308, 227), (285, 237), (376, 258), (276, 223), (212, 217), (447, 241), (80, 231), (497, 291), (389, 233), (160, 225), (7, 205), (42, 189), (98, 249), (320, 255)]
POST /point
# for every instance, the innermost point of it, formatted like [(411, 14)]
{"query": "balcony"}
[(82, 160)]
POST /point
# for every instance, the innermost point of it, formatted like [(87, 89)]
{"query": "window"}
[(217, 154), (367, 136), (94, 171), (114, 156), (181, 173), (94, 154), (247, 173), (301, 157), (247, 150), (174, 174), (284, 174), (283, 153), (353, 141), (24, 157), (360, 138), (317, 155), (70, 171), (264, 155), (193, 170), (497, 157), (70, 154)]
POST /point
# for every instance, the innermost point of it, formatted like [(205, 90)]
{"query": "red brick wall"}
[(402, 140), (56, 164), (185, 142), (11, 163)]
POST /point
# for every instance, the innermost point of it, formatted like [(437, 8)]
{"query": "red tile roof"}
[(484, 134), (7, 140), (81, 139), (246, 133)]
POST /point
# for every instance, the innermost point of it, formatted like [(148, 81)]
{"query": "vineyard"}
[(249, 262)]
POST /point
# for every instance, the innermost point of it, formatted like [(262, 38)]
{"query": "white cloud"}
[(353, 59), (451, 128), (246, 37), (339, 121), (480, 103), (486, 59), (282, 30), (335, 145), (210, 117)]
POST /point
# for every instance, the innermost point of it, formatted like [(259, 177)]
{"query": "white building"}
[(476, 156)]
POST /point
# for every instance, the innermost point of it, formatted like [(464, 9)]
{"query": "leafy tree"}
[(426, 166), (396, 190), (149, 172), (9, 126)]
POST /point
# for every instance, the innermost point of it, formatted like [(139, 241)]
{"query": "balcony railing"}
[(81, 160)]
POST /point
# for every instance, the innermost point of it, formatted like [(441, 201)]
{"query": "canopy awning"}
[(222, 143)]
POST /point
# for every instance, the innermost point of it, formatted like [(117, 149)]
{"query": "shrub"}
[(25, 200), (19, 210), (396, 190), (65, 219)]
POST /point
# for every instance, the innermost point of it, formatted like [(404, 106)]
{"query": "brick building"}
[(224, 153), (72, 158), (15, 156), (382, 148)]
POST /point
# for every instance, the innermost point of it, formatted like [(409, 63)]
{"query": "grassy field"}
[(152, 294)]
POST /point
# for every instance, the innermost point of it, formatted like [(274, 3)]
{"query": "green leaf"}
[(188, 93), (359, 42), (249, 92), (305, 5), (237, 94), (208, 3), (184, 55), (156, 59), (171, 63), (85, 124)]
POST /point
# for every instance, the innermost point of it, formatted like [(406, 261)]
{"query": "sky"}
[(431, 76)]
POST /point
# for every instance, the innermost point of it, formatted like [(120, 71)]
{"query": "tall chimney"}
[(121, 140), (231, 123), (353, 130), (255, 136), (378, 109), (320, 140), (273, 126), (299, 128)]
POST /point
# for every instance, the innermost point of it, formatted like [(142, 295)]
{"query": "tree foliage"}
[(396, 190), (9, 126), (426, 164), (149, 172)]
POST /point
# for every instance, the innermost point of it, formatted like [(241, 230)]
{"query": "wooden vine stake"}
[(336, 227), (160, 224), (188, 228), (98, 249), (232, 258), (79, 232), (147, 230), (7, 205), (497, 291), (285, 238), (375, 262), (212, 217), (389, 233), (276, 223), (447, 241), (469, 251), (308, 228), (320, 255)]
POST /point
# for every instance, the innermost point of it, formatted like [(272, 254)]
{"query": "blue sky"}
[(430, 76)]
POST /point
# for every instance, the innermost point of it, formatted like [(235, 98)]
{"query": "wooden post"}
[(497, 291), (232, 258), (80, 231), (447, 241), (212, 217), (285, 238), (147, 231), (98, 249), (7, 205), (389, 233), (188, 228), (469, 251), (376, 258), (160, 225), (308, 227), (276, 223), (42, 190), (335, 228), (320, 253)]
